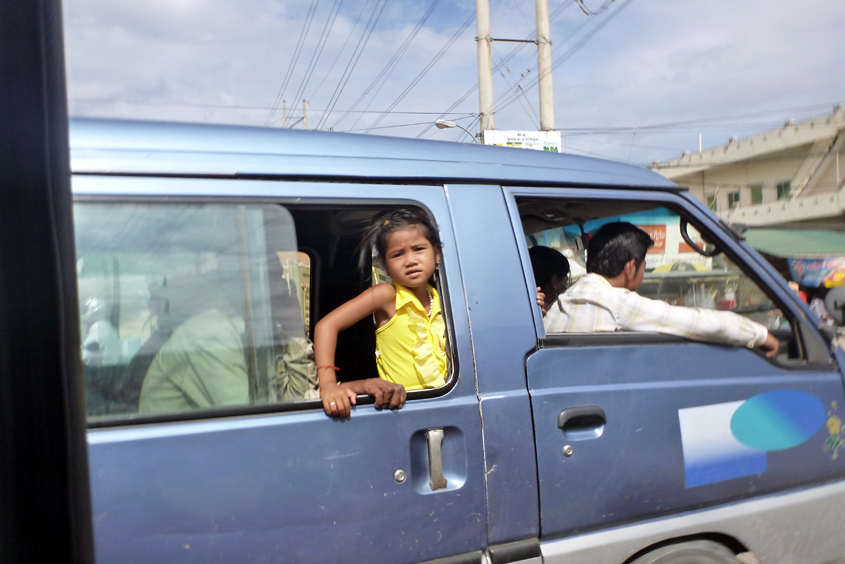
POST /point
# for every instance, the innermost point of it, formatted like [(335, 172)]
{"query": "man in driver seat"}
[(605, 299)]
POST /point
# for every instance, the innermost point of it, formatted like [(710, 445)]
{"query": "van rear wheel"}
[(694, 552)]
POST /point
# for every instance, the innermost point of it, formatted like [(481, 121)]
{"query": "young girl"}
[(410, 331)]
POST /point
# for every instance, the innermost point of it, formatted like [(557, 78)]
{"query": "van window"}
[(190, 306), (675, 272)]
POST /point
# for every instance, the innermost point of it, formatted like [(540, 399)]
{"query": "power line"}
[(553, 16), (731, 118), (302, 34), (353, 62), (575, 48), (395, 126), (392, 64), (535, 118), (428, 67), (231, 107), (521, 10), (318, 51)]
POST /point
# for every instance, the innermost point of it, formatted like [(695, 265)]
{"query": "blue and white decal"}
[(730, 440)]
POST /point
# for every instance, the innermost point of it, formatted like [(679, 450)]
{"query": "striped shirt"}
[(592, 305)]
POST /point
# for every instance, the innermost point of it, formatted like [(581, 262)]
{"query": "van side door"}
[(255, 471), (631, 426)]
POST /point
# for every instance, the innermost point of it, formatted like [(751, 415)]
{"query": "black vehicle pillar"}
[(45, 507)]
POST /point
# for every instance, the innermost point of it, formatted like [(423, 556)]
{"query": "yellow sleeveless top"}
[(411, 347)]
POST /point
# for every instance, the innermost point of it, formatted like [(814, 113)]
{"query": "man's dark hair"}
[(546, 263), (613, 245)]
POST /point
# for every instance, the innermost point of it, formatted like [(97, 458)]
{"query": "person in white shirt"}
[(605, 299)]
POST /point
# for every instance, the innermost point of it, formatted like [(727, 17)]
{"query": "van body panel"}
[(502, 335), (640, 463), (792, 527), (298, 488), (294, 486), (108, 146)]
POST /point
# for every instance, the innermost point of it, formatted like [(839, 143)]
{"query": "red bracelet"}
[(335, 368)]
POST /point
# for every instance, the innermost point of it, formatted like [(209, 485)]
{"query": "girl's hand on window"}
[(337, 400), (386, 394)]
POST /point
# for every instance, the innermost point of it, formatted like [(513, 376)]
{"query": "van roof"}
[(100, 146)]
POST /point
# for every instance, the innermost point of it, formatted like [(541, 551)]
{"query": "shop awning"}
[(797, 243)]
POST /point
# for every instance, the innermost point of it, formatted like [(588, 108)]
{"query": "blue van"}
[(206, 255)]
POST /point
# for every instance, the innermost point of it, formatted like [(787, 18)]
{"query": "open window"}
[(683, 267), (190, 307)]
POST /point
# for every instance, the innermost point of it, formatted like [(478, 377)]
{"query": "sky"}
[(634, 80)]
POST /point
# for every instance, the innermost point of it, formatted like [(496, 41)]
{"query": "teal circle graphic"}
[(778, 420)]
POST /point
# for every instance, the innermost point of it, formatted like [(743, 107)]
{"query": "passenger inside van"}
[(201, 363), (606, 300), (551, 274), (410, 330)]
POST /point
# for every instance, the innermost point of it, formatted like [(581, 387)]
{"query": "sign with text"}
[(537, 140), (658, 235)]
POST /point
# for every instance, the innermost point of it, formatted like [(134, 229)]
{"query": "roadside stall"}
[(814, 260)]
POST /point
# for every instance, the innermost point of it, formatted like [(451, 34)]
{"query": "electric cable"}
[(353, 62), (391, 65), (342, 50), (535, 118), (318, 50), (428, 67), (574, 49), (295, 57), (553, 16)]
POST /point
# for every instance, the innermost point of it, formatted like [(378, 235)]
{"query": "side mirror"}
[(834, 303), (709, 250)]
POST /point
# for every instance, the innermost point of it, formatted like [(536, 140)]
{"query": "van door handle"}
[(581, 418), (437, 480)]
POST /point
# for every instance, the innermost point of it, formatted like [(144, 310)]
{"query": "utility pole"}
[(284, 113), (304, 117), (544, 67), (485, 65)]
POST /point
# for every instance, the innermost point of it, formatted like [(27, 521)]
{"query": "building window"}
[(733, 199), (784, 190), (711, 202), (757, 194)]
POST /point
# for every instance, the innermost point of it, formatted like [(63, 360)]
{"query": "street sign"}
[(537, 140)]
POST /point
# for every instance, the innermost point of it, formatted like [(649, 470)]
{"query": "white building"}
[(786, 177)]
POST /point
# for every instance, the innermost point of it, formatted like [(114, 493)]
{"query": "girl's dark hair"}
[(547, 263), (375, 237)]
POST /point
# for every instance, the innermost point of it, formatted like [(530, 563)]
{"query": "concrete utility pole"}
[(544, 67), (304, 117), (284, 113), (485, 64)]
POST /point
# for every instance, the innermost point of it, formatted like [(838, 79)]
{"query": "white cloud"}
[(656, 62)]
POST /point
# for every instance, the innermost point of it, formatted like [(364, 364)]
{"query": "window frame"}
[(812, 355), (734, 199), (315, 201)]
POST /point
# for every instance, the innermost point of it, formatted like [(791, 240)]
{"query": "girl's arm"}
[(337, 400)]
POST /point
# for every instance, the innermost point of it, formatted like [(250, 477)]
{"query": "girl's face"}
[(410, 257)]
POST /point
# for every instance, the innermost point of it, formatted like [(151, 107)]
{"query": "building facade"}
[(792, 176)]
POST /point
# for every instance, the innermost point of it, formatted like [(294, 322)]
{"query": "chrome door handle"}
[(437, 480)]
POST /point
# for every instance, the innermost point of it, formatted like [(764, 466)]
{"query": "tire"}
[(694, 552)]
